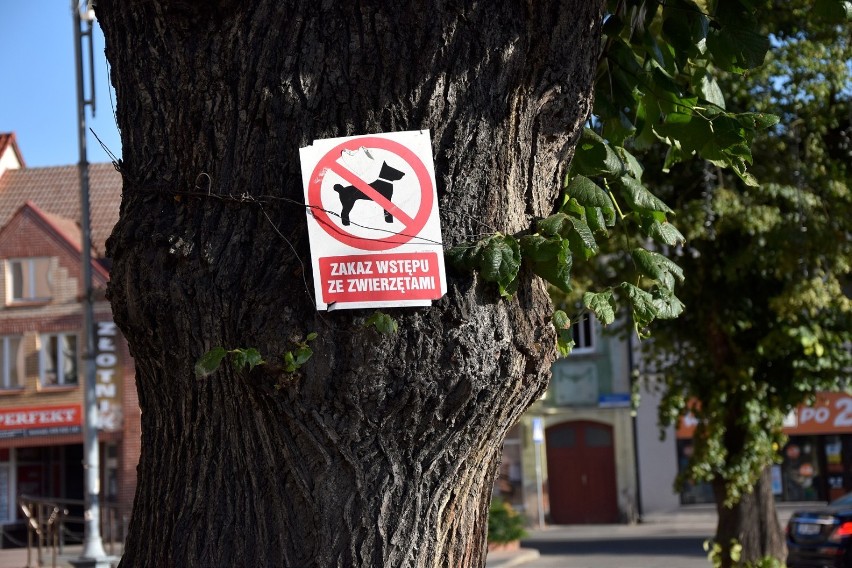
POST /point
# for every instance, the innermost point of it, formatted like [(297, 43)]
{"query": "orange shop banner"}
[(831, 413), (40, 421)]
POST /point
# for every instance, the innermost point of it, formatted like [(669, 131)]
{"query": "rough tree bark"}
[(382, 450), (752, 522)]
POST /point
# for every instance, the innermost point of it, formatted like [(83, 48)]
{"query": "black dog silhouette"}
[(384, 185)]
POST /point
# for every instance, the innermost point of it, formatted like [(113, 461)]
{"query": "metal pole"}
[(538, 484), (631, 366), (538, 438), (93, 553)]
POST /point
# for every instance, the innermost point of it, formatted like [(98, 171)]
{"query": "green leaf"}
[(602, 304), (597, 223), (290, 365), (671, 97), (537, 248), (589, 194), (500, 261), (553, 225), (302, 355), (311, 336), (564, 335), (736, 44), (464, 257), (243, 357), (641, 303), (581, 238), (674, 155), (685, 26), (383, 323), (576, 230), (747, 178), (668, 306), (595, 157), (618, 128), (838, 11), (757, 120), (497, 259), (691, 131), (710, 90), (634, 167), (550, 258), (648, 114), (730, 132), (639, 197), (623, 57), (209, 362), (651, 47), (656, 266), (572, 208), (561, 320), (665, 233)]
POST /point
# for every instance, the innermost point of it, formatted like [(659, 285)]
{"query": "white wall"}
[(657, 459), (8, 160)]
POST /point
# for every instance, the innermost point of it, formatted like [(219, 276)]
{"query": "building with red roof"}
[(41, 341)]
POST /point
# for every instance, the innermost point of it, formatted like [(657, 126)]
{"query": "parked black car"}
[(821, 537)]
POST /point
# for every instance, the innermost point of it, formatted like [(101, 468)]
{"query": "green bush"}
[(714, 555), (504, 523)]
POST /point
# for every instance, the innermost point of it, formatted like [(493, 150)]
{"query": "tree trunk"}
[(752, 523), (382, 449)]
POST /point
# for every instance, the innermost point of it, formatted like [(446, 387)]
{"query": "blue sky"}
[(38, 87)]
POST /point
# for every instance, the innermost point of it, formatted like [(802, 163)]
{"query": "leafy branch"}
[(208, 363), (294, 359), (564, 336), (656, 85), (587, 214), (250, 357)]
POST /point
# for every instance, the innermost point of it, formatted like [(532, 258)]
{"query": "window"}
[(598, 437), (58, 359), (584, 334), (11, 363), (28, 280), (562, 437)]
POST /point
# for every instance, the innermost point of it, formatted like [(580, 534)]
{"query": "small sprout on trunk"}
[(209, 363), (383, 323)]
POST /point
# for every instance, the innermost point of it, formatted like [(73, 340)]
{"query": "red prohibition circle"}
[(329, 161)]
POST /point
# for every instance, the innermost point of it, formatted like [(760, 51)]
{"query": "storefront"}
[(42, 343), (41, 454), (816, 461)]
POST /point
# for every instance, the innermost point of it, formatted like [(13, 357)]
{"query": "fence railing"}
[(52, 523)]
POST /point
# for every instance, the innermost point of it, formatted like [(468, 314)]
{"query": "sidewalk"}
[(17, 557), (690, 519), (506, 559)]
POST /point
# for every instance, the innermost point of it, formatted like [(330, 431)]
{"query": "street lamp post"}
[(93, 554)]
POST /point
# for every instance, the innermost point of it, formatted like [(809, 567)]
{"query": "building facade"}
[(581, 467), (42, 343), (816, 462), (595, 460)]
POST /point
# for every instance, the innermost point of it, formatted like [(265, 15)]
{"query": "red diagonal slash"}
[(367, 190)]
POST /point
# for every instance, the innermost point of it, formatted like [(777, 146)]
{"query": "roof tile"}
[(56, 190)]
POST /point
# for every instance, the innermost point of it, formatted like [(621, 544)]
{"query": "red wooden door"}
[(581, 473)]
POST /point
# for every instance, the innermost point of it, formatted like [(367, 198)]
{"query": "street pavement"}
[(668, 540), (17, 557), (614, 546)]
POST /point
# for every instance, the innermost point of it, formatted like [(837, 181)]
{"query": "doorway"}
[(581, 473)]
